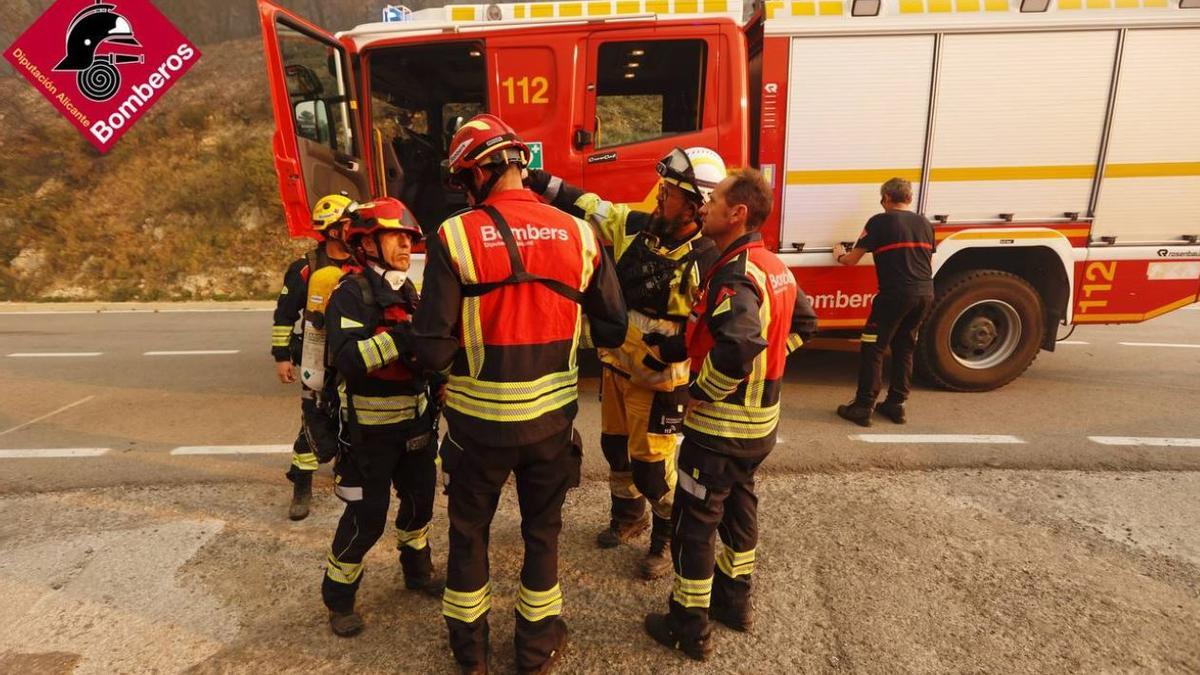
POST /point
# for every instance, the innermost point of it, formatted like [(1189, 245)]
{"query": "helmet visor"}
[(676, 168)]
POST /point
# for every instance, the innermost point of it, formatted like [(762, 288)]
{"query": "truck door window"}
[(417, 93), (648, 89), (314, 83)]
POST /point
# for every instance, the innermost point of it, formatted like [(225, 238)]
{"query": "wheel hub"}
[(979, 334), (985, 334)]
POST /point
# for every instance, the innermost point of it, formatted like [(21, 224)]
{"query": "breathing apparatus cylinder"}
[(312, 360)]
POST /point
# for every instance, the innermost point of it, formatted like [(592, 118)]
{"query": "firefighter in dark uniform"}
[(316, 441), (902, 243), (751, 315), (386, 411), (660, 259), (510, 286)]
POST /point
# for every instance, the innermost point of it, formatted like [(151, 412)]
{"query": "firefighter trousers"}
[(317, 441), (715, 494), (476, 475), (638, 435), (364, 477), (894, 322)]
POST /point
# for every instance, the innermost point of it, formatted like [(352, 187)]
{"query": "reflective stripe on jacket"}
[(751, 315)]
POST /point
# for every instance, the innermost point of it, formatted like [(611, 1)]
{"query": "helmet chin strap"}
[(481, 192)]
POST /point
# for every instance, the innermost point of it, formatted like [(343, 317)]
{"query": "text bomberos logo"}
[(102, 64)]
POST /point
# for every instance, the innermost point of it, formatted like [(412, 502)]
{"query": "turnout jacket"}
[(289, 306), (505, 297), (660, 281), (370, 346), (751, 315)]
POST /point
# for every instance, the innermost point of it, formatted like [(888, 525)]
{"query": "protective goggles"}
[(677, 170)]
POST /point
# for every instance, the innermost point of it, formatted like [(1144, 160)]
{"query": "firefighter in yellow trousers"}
[(660, 259)]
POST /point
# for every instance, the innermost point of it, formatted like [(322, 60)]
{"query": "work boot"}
[(740, 621), (301, 495), (658, 626), (856, 412), (555, 653), (619, 533), (417, 566), (345, 624), (658, 559), (892, 410)]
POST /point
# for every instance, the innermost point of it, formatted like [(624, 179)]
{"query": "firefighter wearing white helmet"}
[(316, 441), (661, 258)]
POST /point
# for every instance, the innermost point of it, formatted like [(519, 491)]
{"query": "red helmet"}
[(484, 140), (381, 215)]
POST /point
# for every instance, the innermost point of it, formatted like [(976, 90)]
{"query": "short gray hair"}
[(897, 190)]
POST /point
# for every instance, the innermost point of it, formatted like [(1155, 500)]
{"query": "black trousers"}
[(364, 477), (715, 494), (894, 323), (317, 441), (476, 473)]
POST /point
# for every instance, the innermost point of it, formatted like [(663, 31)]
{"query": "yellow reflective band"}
[(725, 306), (305, 461), (281, 330), (342, 572), (734, 564), (380, 410), (538, 605), (280, 335), (692, 592), (794, 342), (371, 357), (715, 383), (472, 326), (347, 322), (868, 337), (387, 347), (509, 412), (727, 420), (467, 607), (514, 391), (414, 539)]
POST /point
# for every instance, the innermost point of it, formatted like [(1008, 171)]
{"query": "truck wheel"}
[(984, 330)]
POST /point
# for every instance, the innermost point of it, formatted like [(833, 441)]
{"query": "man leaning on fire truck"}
[(317, 440), (387, 416), (750, 316), (660, 259), (507, 285)]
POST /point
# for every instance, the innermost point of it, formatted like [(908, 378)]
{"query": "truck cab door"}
[(647, 91), (317, 145)]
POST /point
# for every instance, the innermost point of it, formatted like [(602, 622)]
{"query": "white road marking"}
[(133, 311), (192, 352), (936, 438), (49, 414), (32, 355), (1073, 342), (231, 449), (42, 453), (1160, 344), (1144, 440)]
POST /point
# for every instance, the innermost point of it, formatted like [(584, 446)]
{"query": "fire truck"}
[(1054, 144)]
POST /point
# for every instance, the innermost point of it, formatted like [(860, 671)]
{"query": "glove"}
[(672, 348), (538, 180)]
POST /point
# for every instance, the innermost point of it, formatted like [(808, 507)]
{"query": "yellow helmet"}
[(329, 210)]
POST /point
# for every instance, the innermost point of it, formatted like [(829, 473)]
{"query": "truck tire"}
[(984, 330)]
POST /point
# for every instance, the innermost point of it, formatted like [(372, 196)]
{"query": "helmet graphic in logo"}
[(97, 74)]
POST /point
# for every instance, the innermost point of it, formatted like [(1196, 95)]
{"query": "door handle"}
[(581, 139)]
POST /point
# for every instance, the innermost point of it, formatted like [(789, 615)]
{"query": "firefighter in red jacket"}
[(751, 315), (386, 412), (316, 441), (510, 287)]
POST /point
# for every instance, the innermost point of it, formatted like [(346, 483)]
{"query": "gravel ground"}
[(877, 571)]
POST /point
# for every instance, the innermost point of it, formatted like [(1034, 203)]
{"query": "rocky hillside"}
[(184, 206)]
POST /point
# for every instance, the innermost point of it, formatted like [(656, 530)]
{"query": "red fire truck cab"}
[(1054, 143)]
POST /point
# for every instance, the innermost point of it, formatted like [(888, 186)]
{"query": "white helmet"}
[(696, 171)]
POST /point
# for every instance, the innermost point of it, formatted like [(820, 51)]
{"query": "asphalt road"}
[(141, 407), (1047, 527)]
